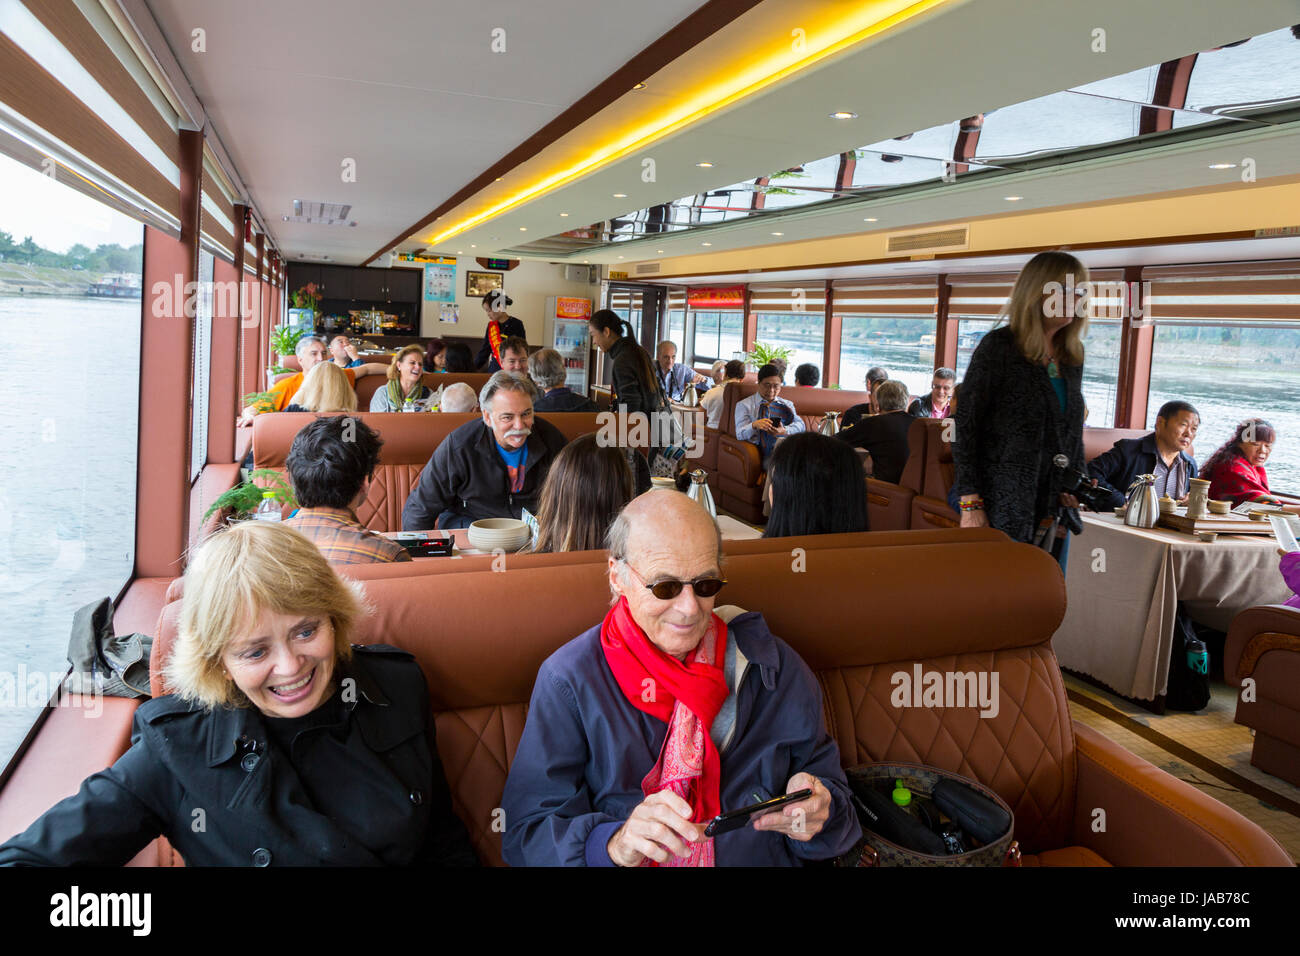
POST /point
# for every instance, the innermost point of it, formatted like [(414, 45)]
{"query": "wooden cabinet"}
[(404, 284), (358, 284), (336, 282)]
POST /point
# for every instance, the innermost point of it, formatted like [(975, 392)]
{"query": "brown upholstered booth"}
[(480, 665), (1263, 647), (737, 464), (409, 442)]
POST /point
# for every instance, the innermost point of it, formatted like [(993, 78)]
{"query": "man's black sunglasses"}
[(667, 590)]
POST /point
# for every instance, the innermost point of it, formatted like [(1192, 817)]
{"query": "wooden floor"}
[(1205, 749)]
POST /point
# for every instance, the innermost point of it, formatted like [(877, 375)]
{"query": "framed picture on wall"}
[(479, 284)]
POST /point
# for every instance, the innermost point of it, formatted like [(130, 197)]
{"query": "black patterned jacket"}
[(1009, 428)]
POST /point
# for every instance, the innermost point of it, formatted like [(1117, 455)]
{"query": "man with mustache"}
[(488, 469)]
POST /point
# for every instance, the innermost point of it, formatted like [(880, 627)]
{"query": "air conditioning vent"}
[(321, 213), (647, 268), (936, 239)]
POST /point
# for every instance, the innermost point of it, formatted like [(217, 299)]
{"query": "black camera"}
[(1080, 484)]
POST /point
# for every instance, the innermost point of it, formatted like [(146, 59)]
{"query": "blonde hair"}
[(393, 373), (326, 389), (1047, 274), (238, 574)]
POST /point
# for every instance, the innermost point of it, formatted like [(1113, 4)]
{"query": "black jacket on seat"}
[(564, 399), (362, 787), (884, 437), (466, 477)]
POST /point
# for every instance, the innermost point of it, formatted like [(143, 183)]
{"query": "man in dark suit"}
[(1164, 453)]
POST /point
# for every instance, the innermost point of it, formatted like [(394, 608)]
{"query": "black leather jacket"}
[(365, 788)]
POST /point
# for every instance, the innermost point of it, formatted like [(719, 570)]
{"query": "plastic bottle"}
[(903, 797), (1198, 657), (269, 509)]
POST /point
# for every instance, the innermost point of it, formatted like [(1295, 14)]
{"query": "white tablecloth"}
[(1123, 584)]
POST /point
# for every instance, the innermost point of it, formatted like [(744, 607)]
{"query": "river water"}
[(69, 387)]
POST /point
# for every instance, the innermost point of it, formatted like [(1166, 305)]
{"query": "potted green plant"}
[(261, 401), (241, 501), (284, 340), (762, 354)]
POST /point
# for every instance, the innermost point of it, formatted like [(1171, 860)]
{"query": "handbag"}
[(951, 820)]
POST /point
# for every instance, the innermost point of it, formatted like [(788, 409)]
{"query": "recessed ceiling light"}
[(1223, 165), (497, 180), (704, 165), (706, 243), (778, 233), (459, 253), (523, 228), (620, 257), (659, 252), (1013, 198), (844, 114), (620, 195), (473, 246), (563, 214), (871, 219), (639, 86)]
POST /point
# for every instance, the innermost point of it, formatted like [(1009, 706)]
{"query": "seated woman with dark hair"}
[(1236, 470), (815, 486), (435, 356), (586, 488), (295, 747), (457, 358)]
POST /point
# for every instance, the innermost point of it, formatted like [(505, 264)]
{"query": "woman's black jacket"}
[(632, 393), (364, 790), (1009, 428)]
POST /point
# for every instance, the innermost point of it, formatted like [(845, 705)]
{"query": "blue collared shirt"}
[(675, 381), (585, 749)]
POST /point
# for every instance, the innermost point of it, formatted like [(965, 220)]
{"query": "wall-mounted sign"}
[(617, 275), (726, 298), (568, 307), (413, 257), (501, 265), (440, 281)]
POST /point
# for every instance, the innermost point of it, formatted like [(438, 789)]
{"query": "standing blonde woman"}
[(325, 389), (1022, 404), (405, 386)]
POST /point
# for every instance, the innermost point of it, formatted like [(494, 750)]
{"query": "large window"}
[(69, 385), (1230, 374), (718, 335), (902, 346), (801, 332)]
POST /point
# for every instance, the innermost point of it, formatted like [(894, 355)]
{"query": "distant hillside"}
[(18, 279)]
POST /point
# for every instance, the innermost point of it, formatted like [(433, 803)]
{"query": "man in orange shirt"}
[(310, 350)]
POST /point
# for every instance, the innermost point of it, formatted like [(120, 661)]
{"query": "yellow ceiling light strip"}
[(865, 20)]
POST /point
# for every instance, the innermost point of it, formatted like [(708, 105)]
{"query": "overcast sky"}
[(57, 216)]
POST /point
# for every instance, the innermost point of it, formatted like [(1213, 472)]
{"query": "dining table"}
[(1123, 587)]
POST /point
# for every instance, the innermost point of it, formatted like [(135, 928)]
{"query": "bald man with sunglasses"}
[(644, 728)]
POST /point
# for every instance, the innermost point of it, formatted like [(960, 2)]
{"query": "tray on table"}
[(1222, 524)]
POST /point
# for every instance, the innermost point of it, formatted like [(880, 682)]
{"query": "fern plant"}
[(262, 401), (243, 499)]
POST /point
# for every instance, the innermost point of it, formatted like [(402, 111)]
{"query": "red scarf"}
[(494, 338), (687, 696)]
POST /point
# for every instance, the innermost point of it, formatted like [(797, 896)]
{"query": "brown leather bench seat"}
[(857, 615), (1263, 645)]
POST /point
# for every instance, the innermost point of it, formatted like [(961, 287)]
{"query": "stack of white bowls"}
[(508, 534)]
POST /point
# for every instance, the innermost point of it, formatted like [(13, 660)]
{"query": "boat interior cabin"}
[(802, 216)]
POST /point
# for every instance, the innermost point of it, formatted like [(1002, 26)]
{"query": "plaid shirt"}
[(343, 539)]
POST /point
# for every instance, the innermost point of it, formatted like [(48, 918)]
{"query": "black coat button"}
[(261, 856), (417, 797), (249, 762)]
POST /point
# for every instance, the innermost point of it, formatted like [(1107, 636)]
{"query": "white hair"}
[(305, 341), (458, 397)]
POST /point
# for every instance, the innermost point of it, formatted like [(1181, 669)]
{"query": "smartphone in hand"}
[(735, 819)]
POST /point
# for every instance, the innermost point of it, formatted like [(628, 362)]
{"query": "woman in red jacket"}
[(1236, 471)]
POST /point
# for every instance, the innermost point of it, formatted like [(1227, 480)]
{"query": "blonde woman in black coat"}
[(1022, 403)]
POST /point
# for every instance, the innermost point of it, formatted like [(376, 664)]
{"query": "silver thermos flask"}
[(700, 492), (830, 424), (1143, 508)]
